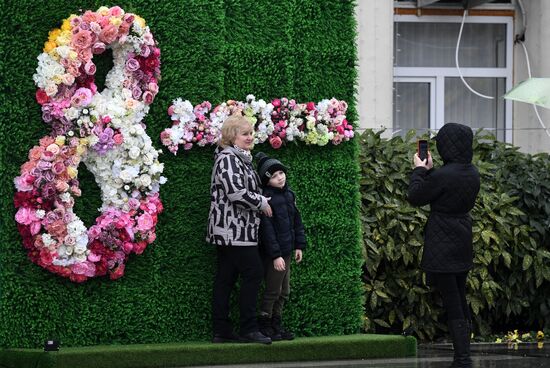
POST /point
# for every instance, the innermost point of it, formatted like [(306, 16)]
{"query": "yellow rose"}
[(115, 21), (66, 26), (103, 10), (53, 34), (73, 55), (57, 79), (139, 21), (64, 38), (49, 46), (60, 140), (73, 173)]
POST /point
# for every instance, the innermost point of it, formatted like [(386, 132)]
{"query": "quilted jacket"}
[(451, 192), (236, 200), (284, 231)]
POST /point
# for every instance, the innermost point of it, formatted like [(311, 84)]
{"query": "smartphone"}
[(422, 149)]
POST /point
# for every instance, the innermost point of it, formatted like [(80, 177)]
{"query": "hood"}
[(454, 143)]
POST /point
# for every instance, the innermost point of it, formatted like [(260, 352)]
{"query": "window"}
[(428, 91)]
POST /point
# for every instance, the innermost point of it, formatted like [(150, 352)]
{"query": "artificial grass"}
[(202, 353)]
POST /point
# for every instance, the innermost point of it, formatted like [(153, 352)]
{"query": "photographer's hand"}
[(427, 163)]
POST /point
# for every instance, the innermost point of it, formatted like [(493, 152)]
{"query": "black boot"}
[(280, 330), (460, 333), (264, 323)]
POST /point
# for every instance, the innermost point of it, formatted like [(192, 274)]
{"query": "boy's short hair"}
[(231, 127)]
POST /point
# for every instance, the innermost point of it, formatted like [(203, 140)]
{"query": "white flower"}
[(40, 214), (134, 152)]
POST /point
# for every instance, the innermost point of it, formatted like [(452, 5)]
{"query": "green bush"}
[(511, 265), (210, 50)]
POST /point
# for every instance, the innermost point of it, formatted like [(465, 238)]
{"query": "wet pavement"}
[(435, 356)]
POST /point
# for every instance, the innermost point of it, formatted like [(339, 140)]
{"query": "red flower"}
[(41, 96), (117, 272)]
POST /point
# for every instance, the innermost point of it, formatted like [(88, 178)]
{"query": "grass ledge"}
[(363, 346)]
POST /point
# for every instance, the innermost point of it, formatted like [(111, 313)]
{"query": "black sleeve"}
[(424, 186), (269, 238)]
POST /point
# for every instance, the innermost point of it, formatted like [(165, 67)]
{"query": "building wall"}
[(529, 134), (375, 50)]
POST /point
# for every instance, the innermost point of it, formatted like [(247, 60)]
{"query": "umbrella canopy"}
[(533, 90)]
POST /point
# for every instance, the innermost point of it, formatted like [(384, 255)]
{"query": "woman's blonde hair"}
[(231, 127)]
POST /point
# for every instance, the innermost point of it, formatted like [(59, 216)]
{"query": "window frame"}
[(440, 73)]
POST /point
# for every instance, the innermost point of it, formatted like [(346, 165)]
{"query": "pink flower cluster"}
[(199, 129), (46, 221), (281, 120), (91, 34)]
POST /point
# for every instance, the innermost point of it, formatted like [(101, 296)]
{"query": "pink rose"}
[(127, 247), (23, 183), (90, 68), (98, 48), (276, 102), (94, 232), (116, 11), (171, 110), (81, 39), (53, 148), (108, 34), (82, 97), (136, 92), (145, 222), (148, 97), (84, 268), (35, 227), (92, 257), (145, 51), (275, 142), (58, 168), (153, 87), (118, 138), (25, 216), (310, 106), (85, 55)]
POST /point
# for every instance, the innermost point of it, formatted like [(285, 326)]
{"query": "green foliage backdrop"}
[(510, 283), (210, 50)]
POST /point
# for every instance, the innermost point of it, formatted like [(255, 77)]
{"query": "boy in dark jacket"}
[(451, 192), (280, 235)]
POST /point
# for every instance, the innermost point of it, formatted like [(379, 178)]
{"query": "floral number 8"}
[(105, 131)]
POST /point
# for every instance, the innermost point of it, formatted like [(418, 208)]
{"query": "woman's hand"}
[(279, 264), (268, 211), (427, 163)]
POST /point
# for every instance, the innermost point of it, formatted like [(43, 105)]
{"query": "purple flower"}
[(132, 65)]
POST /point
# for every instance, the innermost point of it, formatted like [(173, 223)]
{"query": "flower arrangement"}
[(281, 120), (104, 130)]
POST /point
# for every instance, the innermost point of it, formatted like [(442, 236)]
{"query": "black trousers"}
[(235, 261), (452, 287)]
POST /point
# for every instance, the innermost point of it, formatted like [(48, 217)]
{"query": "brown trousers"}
[(277, 288)]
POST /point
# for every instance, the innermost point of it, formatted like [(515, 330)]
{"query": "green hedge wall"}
[(210, 50)]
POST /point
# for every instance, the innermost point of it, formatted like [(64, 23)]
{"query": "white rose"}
[(134, 152)]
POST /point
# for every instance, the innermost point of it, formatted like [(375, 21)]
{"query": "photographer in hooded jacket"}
[(451, 192)]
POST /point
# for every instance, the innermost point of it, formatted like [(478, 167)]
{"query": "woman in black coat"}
[(451, 192)]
